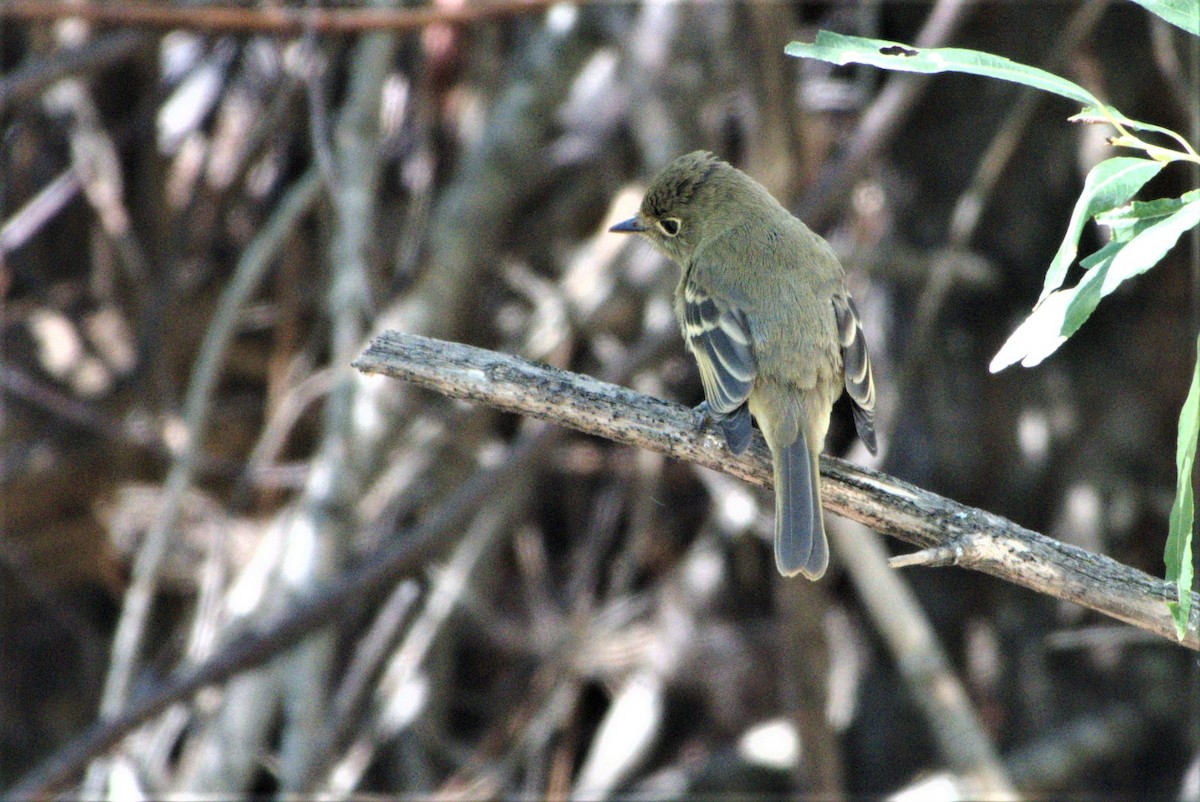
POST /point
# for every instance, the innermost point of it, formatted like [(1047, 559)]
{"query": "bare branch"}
[(278, 19), (976, 539)]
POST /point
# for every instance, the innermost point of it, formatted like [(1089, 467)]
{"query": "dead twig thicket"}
[(485, 604)]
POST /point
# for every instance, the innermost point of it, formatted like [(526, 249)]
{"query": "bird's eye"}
[(669, 226)]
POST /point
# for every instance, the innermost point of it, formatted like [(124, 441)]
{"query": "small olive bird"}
[(764, 310)]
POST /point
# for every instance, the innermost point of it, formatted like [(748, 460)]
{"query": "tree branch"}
[(273, 19), (957, 534)]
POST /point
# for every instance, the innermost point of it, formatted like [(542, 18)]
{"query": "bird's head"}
[(684, 204)]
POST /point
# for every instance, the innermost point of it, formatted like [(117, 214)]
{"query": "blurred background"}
[(206, 214)]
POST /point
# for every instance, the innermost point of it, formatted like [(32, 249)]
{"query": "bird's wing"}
[(719, 335), (860, 385)]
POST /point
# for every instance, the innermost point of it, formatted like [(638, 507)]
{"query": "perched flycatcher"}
[(765, 311)]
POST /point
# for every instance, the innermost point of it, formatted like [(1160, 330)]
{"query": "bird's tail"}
[(800, 545)]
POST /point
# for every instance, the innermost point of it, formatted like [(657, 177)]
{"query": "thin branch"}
[(944, 274), (354, 693), (400, 665), (993, 165), (327, 503), (74, 411), (979, 540), (19, 228), (270, 19), (96, 164)]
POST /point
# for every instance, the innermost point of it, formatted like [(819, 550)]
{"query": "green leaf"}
[(1144, 250), (1180, 13), (1110, 183), (1085, 298), (1178, 554), (1041, 334), (1061, 313), (1106, 253), (1128, 221), (839, 49)]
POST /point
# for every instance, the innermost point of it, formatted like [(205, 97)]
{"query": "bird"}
[(763, 307)]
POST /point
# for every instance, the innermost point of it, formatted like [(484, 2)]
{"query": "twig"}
[(89, 417), (936, 557), (944, 273), (74, 411), (969, 208), (295, 401), (312, 75), (338, 469), (552, 692), (1170, 65), (270, 19), (96, 164), (1047, 765), (21, 226), (353, 696), (403, 664), (988, 543)]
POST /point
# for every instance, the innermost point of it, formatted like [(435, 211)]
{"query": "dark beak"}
[(630, 226)]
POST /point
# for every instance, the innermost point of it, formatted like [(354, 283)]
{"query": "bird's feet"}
[(706, 416), (735, 426)]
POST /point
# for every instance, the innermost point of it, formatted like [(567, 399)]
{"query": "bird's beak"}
[(630, 226)]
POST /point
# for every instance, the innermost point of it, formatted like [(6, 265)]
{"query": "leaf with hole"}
[(837, 48)]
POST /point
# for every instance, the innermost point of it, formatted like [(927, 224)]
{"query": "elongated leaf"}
[(1062, 312), (1181, 13), (1085, 298), (1178, 554), (1128, 221), (1041, 334), (1104, 254), (1109, 184), (839, 49), (1144, 251)]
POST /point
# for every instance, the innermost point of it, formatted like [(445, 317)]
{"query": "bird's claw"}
[(735, 427), (706, 416)]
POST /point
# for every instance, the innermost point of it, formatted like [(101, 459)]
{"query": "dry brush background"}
[(202, 224)]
